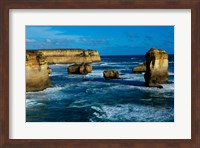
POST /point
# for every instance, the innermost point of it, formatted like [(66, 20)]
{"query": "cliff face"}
[(37, 77), (71, 56), (37, 71), (156, 67)]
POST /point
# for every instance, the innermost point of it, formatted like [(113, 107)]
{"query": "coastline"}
[(90, 98)]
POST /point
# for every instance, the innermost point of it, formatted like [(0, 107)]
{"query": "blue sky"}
[(108, 40)]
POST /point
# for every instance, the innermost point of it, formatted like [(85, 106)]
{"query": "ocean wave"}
[(132, 112), (136, 62), (103, 64), (154, 90), (55, 74), (138, 86), (95, 73), (133, 76), (117, 63), (47, 90), (63, 64), (170, 73), (111, 65), (58, 65), (32, 103)]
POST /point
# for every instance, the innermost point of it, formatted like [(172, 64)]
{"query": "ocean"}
[(91, 98)]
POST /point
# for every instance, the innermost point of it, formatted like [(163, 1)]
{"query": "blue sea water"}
[(90, 98)]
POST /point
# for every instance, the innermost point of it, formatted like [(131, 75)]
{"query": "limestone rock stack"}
[(140, 68), (37, 73), (111, 74), (156, 68), (83, 68)]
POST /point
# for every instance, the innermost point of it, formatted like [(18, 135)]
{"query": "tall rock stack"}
[(156, 68), (37, 72)]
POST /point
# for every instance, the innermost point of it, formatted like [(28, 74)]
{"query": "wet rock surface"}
[(111, 74)]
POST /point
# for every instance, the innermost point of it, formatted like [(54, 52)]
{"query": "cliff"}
[(37, 77), (71, 56), (156, 67)]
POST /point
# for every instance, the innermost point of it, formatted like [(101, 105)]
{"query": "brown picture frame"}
[(6, 5)]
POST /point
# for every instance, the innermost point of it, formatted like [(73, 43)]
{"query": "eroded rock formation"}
[(37, 77), (71, 56), (140, 68), (156, 68), (83, 68), (111, 74), (37, 61)]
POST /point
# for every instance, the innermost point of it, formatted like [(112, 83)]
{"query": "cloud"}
[(94, 42), (47, 33), (48, 40), (49, 43), (30, 40)]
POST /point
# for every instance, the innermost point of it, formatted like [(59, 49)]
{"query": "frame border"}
[(5, 5)]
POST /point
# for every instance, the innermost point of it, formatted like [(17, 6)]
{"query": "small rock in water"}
[(83, 68), (111, 74), (140, 68)]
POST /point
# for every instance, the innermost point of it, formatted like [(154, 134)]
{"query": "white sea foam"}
[(62, 64), (103, 64), (46, 91), (32, 103), (55, 74), (170, 73), (138, 77), (132, 112), (166, 88), (95, 73)]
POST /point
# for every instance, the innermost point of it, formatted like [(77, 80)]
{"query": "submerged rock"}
[(83, 68), (156, 68), (37, 73), (111, 74), (140, 68)]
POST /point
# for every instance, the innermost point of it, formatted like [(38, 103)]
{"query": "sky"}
[(108, 40)]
